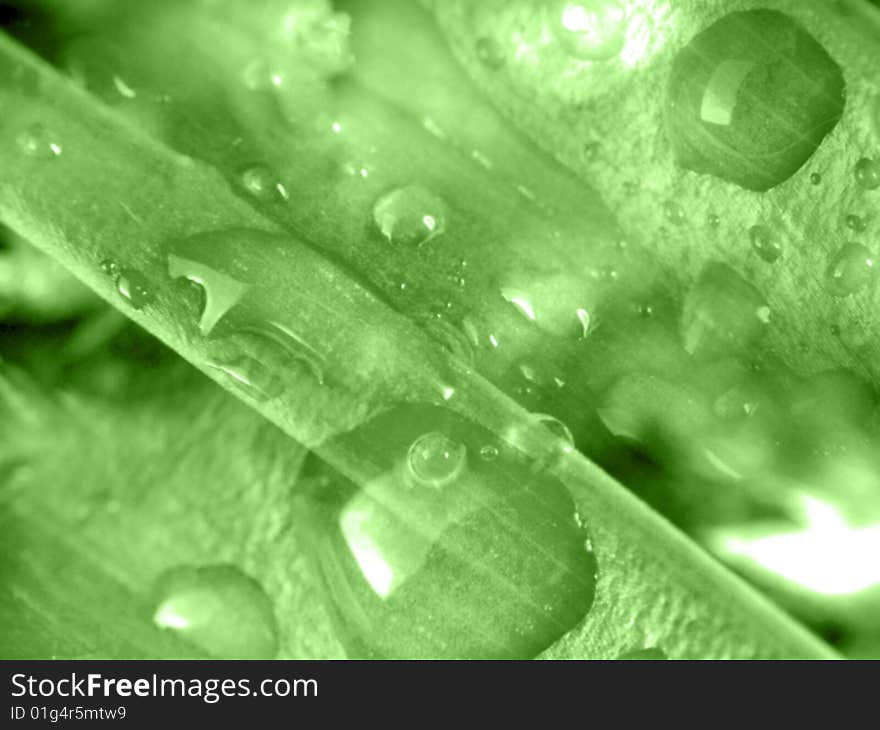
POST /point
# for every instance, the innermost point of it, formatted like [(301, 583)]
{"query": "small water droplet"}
[(674, 212), (489, 452), (411, 215), (435, 460), (262, 182), (764, 243), (815, 178), (714, 221), (489, 567), (867, 173), (132, 286), (558, 429), (489, 53), (855, 223), (37, 141), (222, 292), (590, 30), (219, 609), (849, 270)]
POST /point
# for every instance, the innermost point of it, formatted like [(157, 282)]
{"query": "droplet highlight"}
[(410, 215)]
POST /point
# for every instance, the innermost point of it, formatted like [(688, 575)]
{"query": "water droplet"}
[(558, 429), (590, 30), (723, 83), (489, 53), (435, 460), (764, 243), (815, 178), (714, 221), (849, 270), (867, 173), (722, 313), (489, 453), (410, 215), (674, 212), (261, 182), (559, 304), (248, 376), (489, 567), (37, 141), (855, 223), (134, 287), (222, 292), (219, 609)]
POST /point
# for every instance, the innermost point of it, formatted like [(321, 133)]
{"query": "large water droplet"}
[(751, 98), (558, 429), (37, 141), (591, 30), (219, 609), (764, 243), (867, 173), (435, 460), (722, 313), (855, 223), (410, 215), (490, 566), (222, 292), (849, 270)]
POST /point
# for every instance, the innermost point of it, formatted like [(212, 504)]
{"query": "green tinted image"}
[(472, 329)]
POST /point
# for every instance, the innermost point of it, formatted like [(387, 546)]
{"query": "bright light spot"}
[(493, 340), (584, 318), (55, 147), (828, 556), (168, 617), (430, 222), (336, 127), (519, 300), (354, 524), (448, 392), (123, 88), (277, 79)]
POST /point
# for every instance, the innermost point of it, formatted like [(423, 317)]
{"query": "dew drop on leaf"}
[(855, 223), (262, 183), (558, 429), (751, 98), (218, 609), (489, 452), (410, 215), (37, 141), (815, 178), (489, 53), (134, 287), (590, 30), (248, 376), (435, 460), (867, 173), (713, 220), (764, 243), (674, 212), (849, 270), (490, 566), (722, 313)]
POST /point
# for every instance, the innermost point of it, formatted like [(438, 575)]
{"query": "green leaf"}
[(315, 351)]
